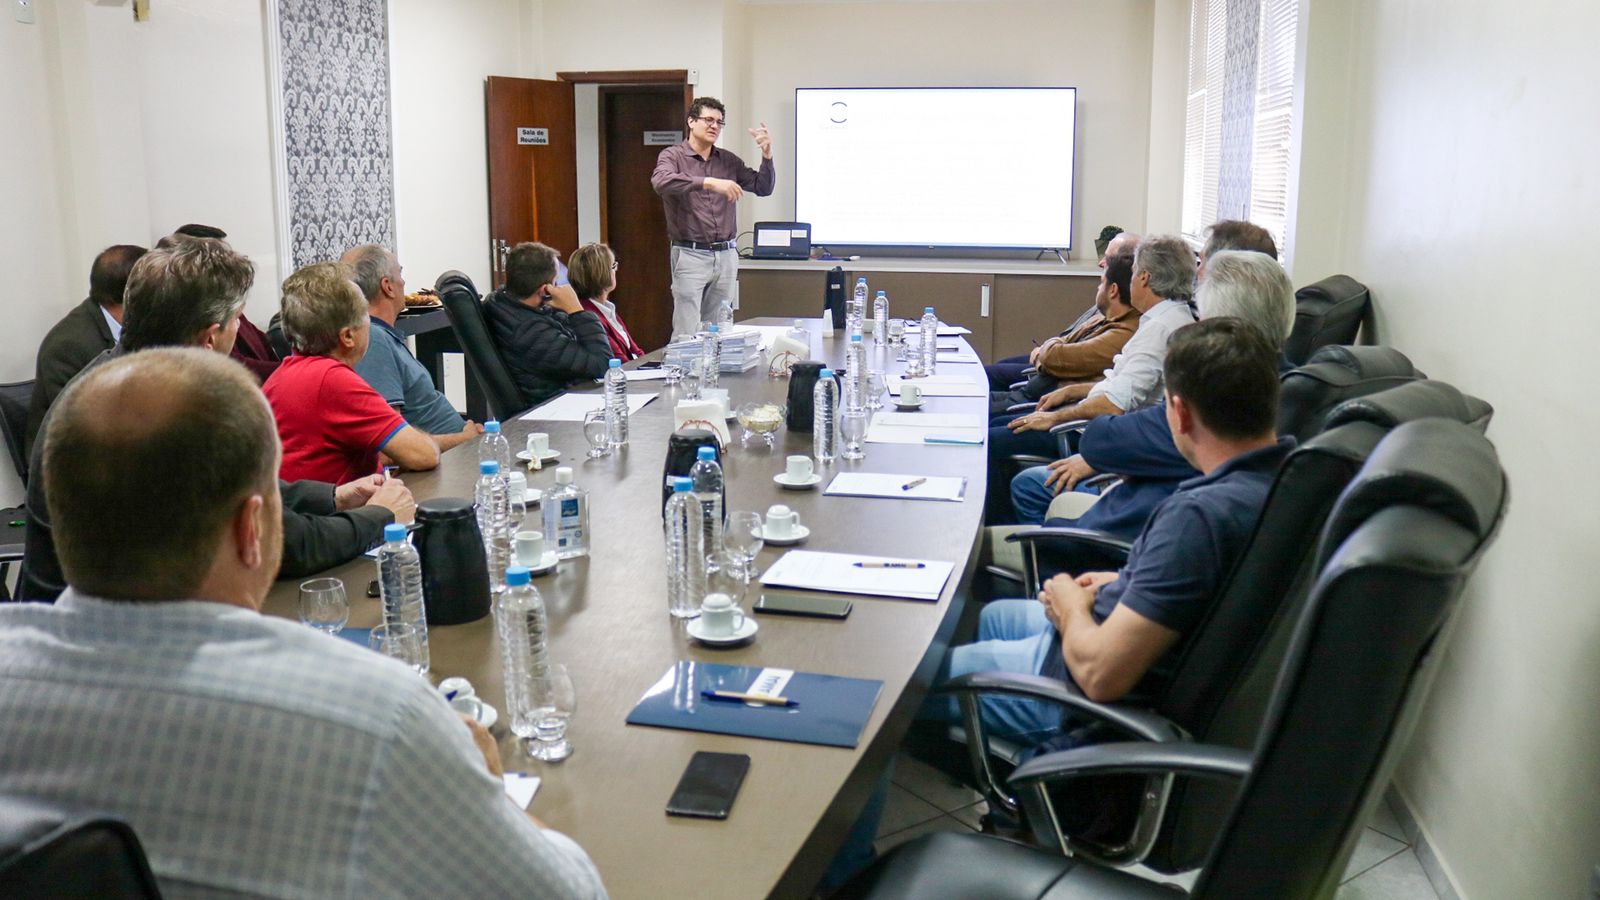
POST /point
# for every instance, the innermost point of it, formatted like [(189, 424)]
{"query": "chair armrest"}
[(1029, 460), (1031, 371), (1021, 407), (1137, 758), (1134, 721), (1070, 425), (1088, 536), (1108, 479)]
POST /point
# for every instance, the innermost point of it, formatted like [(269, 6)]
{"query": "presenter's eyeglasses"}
[(710, 122)]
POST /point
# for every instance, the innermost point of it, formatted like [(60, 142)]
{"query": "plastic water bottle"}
[(855, 371), (880, 318), (706, 477), (711, 357), (495, 446), (857, 311), (725, 315), (825, 430), (521, 621), (686, 551), (616, 405), (494, 520), (930, 340), (566, 516), (400, 583)]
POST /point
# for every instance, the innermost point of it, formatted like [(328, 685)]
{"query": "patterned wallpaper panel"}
[(335, 63)]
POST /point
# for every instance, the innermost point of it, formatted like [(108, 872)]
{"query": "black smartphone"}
[(786, 604), (708, 785), (652, 364)]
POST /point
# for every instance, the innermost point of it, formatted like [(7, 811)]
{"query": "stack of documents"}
[(896, 487), (741, 350), (926, 428), (856, 573), (941, 385)]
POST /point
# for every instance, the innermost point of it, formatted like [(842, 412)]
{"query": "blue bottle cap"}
[(682, 485), (394, 531), (614, 364), (491, 427), (714, 328), (706, 453), (855, 338), (489, 467), (516, 576), (825, 373), (860, 278), (927, 309), (882, 293)]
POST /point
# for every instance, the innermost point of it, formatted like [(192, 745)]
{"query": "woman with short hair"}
[(592, 271)]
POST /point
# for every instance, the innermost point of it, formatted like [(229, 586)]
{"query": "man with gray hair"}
[(253, 756), (190, 292), (334, 426), (388, 365)]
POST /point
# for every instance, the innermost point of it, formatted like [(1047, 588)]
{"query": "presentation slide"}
[(935, 167)]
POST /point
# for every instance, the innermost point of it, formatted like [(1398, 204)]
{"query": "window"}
[(1237, 124)]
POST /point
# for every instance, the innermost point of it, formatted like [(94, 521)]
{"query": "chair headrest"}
[(1411, 401), (454, 279), (1437, 464), (1334, 290), (1362, 362)]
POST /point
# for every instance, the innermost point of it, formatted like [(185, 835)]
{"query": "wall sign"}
[(662, 138), (535, 136)]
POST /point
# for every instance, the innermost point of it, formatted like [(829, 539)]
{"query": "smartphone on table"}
[(784, 603), (708, 785)]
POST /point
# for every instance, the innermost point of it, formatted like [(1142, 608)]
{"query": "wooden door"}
[(533, 166), (632, 220)]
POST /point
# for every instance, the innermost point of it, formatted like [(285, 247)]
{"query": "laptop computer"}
[(781, 240)]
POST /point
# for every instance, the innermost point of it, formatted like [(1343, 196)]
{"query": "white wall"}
[(1103, 49), (440, 54), (1169, 94), (1466, 183), (586, 109)]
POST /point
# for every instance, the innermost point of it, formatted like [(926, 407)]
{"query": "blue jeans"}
[(1003, 444), (1013, 636), (1030, 498)]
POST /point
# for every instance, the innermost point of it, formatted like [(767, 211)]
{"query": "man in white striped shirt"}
[(251, 755)]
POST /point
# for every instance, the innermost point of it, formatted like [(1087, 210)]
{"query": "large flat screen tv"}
[(935, 167)]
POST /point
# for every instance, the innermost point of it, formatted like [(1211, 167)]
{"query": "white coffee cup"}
[(720, 616), (530, 547), (910, 394), (519, 486), (456, 687), (782, 521), (538, 444), (798, 469)]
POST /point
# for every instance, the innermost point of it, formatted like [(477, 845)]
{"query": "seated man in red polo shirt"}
[(334, 426)]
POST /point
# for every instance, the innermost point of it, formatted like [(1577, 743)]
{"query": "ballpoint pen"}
[(914, 483), (763, 699), (890, 565)]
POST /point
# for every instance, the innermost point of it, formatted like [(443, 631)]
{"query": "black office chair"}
[(51, 850), (1392, 561), (1328, 312), (1333, 375), (465, 310), (15, 400)]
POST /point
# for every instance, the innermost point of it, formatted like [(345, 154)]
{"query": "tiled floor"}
[(923, 799)]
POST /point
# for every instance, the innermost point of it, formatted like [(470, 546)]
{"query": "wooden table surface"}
[(609, 625)]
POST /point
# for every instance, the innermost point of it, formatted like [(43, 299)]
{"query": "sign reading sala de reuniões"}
[(536, 136)]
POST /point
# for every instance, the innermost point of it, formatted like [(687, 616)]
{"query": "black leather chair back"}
[(15, 398), (462, 305), (50, 850), (1409, 402), (1333, 375), (1328, 312), (1397, 550)]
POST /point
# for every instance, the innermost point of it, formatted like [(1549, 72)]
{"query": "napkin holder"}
[(707, 414)]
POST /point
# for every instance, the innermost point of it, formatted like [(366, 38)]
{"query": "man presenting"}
[(699, 184)]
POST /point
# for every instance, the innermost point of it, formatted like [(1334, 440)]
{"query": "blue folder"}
[(831, 710)]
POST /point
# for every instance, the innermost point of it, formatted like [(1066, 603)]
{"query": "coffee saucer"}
[(908, 406), (547, 563), (744, 633), (782, 478), (799, 534), (548, 456)]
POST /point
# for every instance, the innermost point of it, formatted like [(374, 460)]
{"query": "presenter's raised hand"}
[(763, 140), (727, 188)]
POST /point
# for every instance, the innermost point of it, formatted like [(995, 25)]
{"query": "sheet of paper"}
[(941, 386), (644, 374), (947, 421), (875, 484), (812, 570), (953, 330), (520, 787), (905, 434), (571, 407)]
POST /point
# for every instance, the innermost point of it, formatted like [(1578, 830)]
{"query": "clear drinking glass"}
[(852, 428), (691, 380), (875, 389), (726, 574), (671, 374), (402, 641), (897, 334), (743, 537), (554, 703), (323, 604), (596, 433)]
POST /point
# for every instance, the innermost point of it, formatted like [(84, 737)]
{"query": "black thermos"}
[(455, 574)]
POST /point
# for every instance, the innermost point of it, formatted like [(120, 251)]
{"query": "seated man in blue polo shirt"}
[(389, 366), (1109, 632)]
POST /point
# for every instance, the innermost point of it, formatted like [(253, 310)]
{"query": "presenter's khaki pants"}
[(702, 280)]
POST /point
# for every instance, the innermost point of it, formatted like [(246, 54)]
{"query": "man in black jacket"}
[(547, 338), (91, 328), (190, 293)]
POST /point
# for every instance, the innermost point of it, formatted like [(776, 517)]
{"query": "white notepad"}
[(912, 428), (953, 330), (875, 484), (520, 787), (572, 407), (817, 571)]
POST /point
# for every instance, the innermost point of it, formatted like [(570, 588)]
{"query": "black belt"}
[(698, 245)]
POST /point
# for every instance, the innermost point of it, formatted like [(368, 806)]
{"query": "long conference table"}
[(609, 625)]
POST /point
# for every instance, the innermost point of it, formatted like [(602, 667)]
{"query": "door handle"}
[(983, 300)]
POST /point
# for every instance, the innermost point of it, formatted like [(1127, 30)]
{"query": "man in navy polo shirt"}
[(1108, 632)]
